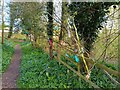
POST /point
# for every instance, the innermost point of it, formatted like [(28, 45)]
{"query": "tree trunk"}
[(50, 25), (63, 25), (2, 21), (12, 17), (119, 44), (10, 31)]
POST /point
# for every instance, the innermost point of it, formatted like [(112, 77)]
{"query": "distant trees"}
[(34, 20), (31, 19), (88, 18), (12, 13), (29, 16)]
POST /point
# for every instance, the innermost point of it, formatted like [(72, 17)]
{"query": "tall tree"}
[(2, 21), (64, 18), (50, 27), (29, 16), (88, 19), (12, 17)]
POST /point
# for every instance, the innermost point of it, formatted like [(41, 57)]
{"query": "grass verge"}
[(7, 52)]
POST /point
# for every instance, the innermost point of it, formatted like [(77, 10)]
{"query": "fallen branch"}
[(111, 71), (81, 76), (112, 79)]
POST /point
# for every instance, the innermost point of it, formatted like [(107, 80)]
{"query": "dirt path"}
[(9, 78)]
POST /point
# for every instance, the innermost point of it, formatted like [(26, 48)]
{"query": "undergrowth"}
[(7, 52), (37, 71)]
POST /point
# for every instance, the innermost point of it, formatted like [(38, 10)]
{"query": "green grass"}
[(7, 52), (37, 71)]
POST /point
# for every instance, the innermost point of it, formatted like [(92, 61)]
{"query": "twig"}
[(113, 80), (80, 75), (107, 47)]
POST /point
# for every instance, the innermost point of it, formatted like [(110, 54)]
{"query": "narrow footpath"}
[(9, 78)]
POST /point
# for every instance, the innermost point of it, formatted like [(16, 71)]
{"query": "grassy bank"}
[(7, 53)]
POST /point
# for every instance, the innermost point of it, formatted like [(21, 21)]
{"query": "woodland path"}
[(9, 78)]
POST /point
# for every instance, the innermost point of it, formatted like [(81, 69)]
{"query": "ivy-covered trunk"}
[(88, 19)]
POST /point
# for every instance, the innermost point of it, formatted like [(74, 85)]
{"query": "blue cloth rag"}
[(76, 58)]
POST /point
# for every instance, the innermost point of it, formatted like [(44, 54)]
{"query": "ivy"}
[(88, 19)]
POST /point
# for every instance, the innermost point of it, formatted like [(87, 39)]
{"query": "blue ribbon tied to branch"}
[(74, 57)]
